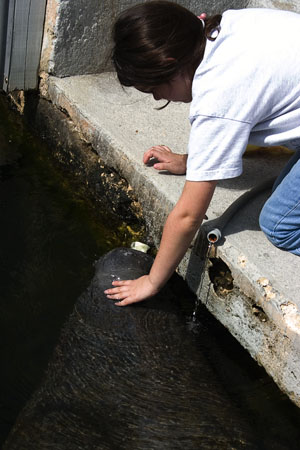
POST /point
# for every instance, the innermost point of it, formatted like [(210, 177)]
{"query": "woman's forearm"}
[(180, 228), (177, 236)]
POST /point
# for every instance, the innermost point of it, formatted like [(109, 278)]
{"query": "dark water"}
[(49, 240)]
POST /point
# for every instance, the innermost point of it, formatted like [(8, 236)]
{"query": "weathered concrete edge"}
[(262, 328), (156, 207), (270, 337), (103, 188)]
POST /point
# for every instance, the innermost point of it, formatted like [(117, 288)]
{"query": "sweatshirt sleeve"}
[(216, 147)]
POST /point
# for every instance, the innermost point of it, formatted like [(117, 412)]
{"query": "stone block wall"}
[(77, 35)]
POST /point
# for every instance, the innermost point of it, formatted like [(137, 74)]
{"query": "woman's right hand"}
[(166, 160)]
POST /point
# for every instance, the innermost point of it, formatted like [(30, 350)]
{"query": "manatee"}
[(129, 378)]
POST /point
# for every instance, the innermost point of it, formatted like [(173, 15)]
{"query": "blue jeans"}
[(280, 216)]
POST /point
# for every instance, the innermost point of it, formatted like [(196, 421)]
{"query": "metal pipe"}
[(214, 228), (214, 235)]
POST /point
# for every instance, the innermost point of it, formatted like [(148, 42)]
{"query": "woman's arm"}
[(180, 228)]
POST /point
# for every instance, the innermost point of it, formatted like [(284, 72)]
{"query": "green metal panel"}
[(34, 42), (7, 40), (3, 34), (25, 22)]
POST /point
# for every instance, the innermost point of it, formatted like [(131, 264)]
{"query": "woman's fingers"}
[(161, 166), (125, 302), (162, 158), (120, 290), (157, 151), (166, 148), (131, 291)]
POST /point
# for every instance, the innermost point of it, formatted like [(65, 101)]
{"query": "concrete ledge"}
[(262, 309)]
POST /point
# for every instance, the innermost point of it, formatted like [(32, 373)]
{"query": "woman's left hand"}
[(131, 291), (166, 160)]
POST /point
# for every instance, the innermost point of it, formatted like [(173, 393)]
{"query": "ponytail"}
[(154, 41)]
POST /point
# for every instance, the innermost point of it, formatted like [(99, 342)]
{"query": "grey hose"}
[(214, 228)]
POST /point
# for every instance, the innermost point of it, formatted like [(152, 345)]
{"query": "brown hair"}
[(156, 40)]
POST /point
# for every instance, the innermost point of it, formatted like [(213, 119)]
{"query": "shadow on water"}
[(49, 240)]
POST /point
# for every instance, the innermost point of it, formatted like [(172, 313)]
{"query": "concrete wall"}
[(290, 5), (78, 34)]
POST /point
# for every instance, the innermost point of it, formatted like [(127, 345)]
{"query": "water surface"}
[(50, 237)]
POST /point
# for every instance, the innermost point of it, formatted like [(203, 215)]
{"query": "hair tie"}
[(202, 21)]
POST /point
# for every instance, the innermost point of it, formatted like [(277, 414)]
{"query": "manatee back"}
[(128, 378)]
